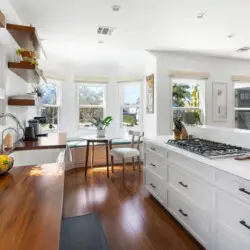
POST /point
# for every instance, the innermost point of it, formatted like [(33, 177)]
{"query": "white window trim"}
[(121, 84), (78, 106), (58, 100)]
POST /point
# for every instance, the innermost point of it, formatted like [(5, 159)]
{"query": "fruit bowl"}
[(5, 168)]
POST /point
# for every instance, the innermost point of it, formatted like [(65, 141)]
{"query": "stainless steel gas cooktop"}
[(209, 149)]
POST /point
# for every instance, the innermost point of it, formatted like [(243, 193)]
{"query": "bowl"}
[(9, 168)]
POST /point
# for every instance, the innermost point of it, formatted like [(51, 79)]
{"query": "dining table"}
[(91, 140)]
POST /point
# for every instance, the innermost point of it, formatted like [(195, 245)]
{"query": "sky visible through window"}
[(131, 94)]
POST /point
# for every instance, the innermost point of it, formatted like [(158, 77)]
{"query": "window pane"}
[(131, 116), (86, 114), (242, 119), (51, 113), (189, 116), (242, 95), (186, 95), (131, 94), (49, 93), (91, 95)]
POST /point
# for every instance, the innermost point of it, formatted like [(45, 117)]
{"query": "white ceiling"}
[(69, 28)]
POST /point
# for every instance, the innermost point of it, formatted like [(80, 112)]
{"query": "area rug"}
[(83, 233)]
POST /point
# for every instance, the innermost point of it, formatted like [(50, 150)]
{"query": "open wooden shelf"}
[(26, 37), (21, 102), (28, 72), (2, 20)]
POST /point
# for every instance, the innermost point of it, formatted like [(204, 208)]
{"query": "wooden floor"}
[(131, 218)]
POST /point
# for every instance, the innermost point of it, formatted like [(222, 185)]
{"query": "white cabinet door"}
[(226, 240), (199, 191), (196, 222), (234, 214), (154, 185)]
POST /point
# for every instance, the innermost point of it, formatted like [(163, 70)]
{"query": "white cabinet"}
[(196, 189), (197, 223), (224, 239), (214, 206)]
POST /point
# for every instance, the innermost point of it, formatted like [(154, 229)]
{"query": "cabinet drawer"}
[(233, 184), (227, 240), (154, 185), (156, 165), (195, 167), (193, 219), (233, 213), (197, 190), (150, 147)]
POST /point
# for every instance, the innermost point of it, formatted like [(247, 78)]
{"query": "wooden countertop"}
[(31, 201), (53, 140)]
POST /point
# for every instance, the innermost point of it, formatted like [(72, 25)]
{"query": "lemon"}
[(4, 168), (5, 160)]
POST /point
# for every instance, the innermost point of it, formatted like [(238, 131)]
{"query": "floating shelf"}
[(28, 72), (2, 20), (21, 102), (26, 37)]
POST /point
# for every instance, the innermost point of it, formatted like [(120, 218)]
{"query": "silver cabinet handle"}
[(244, 191), (153, 165), (152, 185), (153, 149)]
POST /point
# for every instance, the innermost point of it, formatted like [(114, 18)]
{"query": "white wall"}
[(220, 69), (150, 120)]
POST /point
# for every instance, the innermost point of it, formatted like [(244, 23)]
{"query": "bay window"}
[(91, 103), (188, 100), (130, 105)]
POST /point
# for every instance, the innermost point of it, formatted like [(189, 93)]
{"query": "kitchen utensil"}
[(29, 134)]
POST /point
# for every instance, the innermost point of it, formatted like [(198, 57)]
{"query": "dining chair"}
[(128, 152)]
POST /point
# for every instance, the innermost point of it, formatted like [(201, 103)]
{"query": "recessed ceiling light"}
[(116, 8), (201, 15), (101, 41), (243, 49), (230, 36)]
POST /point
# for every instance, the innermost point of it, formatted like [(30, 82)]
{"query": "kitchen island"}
[(31, 201)]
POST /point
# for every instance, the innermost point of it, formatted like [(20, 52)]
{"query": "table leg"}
[(92, 154), (107, 158), (87, 158)]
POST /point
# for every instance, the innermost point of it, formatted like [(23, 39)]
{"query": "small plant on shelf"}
[(37, 90), (27, 56), (101, 124)]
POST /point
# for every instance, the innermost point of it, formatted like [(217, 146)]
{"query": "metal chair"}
[(125, 153)]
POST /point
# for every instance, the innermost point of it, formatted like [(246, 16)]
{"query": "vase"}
[(100, 132)]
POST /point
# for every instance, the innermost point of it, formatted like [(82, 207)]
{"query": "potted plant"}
[(27, 56), (101, 125), (36, 90)]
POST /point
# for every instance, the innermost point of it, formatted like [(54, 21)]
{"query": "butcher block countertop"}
[(53, 140), (31, 201)]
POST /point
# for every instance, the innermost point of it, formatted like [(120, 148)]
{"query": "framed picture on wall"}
[(219, 92), (150, 94)]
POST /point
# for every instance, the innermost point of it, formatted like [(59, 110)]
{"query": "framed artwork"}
[(219, 93), (150, 94)]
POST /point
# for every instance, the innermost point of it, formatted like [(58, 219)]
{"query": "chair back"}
[(136, 135)]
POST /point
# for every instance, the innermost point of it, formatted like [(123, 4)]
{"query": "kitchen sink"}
[(37, 157)]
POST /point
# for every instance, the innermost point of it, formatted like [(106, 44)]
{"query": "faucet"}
[(19, 125), (2, 146)]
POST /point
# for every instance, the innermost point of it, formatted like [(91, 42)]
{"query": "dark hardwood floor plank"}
[(132, 219)]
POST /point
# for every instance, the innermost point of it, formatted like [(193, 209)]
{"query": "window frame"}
[(121, 105), (237, 108), (202, 108), (58, 102), (78, 106)]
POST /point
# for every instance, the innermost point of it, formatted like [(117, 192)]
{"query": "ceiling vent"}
[(104, 30), (243, 49)]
